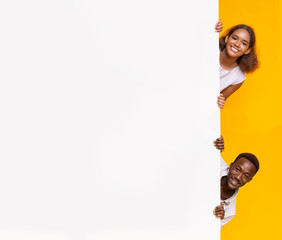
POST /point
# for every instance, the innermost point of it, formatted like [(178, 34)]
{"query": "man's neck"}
[(225, 191)]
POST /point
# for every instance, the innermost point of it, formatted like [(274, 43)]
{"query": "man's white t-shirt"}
[(230, 203), (232, 77)]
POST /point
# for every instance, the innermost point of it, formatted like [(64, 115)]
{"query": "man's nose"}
[(238, 177)]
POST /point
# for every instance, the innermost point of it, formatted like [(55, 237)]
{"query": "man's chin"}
[(233, 185)]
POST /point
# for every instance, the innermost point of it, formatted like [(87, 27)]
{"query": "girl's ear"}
[(226, 38), (248, 51)]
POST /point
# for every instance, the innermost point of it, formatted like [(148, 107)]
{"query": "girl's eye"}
[(245, 44), (233, 37)]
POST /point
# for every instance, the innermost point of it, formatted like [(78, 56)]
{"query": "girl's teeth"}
[(234, 49)]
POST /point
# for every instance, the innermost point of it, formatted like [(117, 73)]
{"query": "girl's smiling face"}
[(237, 44)]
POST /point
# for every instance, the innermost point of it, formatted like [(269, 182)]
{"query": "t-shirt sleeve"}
[(239, 76), (226, 220), (230, 210)]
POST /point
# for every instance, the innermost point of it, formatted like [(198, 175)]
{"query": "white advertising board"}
[(107, 117)]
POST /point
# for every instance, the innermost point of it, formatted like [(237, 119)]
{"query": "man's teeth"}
[(235, 181)]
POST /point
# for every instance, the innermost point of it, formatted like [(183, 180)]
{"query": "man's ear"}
[(248, 51), (231, 164)]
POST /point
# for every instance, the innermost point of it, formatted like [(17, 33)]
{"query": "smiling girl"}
[(237, 57)]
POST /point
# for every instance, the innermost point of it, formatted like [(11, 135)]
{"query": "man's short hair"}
[(251, 157)]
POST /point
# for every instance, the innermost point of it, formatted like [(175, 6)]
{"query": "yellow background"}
[(251, 121)]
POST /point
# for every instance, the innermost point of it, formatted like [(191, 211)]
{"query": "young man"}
[(240, 172)]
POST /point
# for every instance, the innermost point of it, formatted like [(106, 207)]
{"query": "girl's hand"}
[(220, 101), (219, 211), (218, 26)]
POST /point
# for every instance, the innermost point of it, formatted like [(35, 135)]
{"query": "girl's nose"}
[(237, 44)]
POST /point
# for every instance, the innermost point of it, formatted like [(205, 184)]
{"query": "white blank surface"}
[(108, 113)]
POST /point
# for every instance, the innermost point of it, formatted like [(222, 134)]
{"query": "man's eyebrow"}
[(246, 172)]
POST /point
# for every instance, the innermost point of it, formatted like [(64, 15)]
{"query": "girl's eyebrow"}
[(238, 37)]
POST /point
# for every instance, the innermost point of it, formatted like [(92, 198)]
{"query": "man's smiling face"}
[(241, 172)]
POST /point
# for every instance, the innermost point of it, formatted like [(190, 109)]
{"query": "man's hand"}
[(220, 101), (218, 26), (219, 144), (219, 211)]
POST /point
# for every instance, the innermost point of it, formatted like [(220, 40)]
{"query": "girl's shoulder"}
[(238, 72), (234, 71)]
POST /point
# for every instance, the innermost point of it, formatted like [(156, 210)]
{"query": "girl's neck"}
[(226, 61)]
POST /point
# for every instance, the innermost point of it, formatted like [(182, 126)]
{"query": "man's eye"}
[(237, 169), (246, 176)]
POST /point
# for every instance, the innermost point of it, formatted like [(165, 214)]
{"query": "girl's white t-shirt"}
[(233, 77)]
